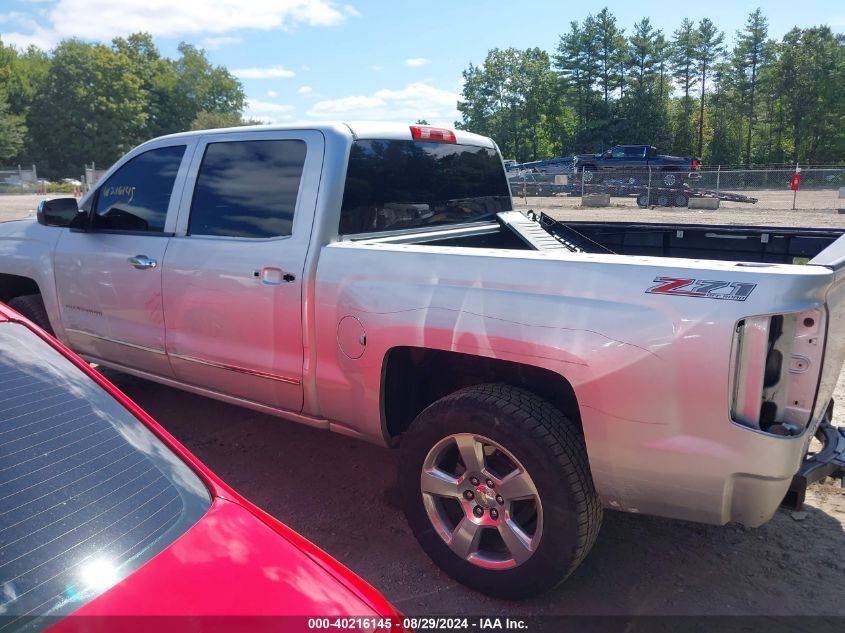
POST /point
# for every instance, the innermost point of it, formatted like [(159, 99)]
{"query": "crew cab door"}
[(108, 278), (234, 271), (636, 159)]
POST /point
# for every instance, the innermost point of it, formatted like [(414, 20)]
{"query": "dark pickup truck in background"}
[(627, 160)]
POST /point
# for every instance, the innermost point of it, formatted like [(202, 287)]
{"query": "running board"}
[(308, 420)]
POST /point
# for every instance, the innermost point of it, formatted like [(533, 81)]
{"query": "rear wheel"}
[(681, 200), (497, 490), (642, 200), (663, 200), (591, 176), (32, 307), (671, 179)]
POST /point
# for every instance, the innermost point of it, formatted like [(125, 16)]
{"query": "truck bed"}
[(766, 244), (721, 242)]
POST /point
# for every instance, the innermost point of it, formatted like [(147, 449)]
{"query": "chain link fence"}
[(820, 188), (19, 180)]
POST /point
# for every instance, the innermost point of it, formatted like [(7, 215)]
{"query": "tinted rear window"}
[(412, 184), (87, 493)]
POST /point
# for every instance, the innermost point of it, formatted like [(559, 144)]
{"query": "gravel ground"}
[(15, 207), (626, 210), (342, 494)]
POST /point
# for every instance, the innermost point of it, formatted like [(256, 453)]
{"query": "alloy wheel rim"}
[(481, 501)]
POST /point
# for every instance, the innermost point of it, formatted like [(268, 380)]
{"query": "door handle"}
[(142, 262), (273, 276)]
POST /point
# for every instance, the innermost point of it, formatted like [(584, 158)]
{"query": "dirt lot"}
[(626, 210), (341, 494), (15, 207)]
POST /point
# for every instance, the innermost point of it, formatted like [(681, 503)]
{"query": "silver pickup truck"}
[(373, 280)]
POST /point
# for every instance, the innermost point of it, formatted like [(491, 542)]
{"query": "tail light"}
[(428, 133), (695, 164), (777, 364)]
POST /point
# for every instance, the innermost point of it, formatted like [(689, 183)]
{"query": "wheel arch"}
[(12, 286), (415, 377)]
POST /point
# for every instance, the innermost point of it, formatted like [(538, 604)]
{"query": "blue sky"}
[(363, 59)]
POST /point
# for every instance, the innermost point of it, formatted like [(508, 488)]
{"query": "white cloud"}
[(39, 37), (414, 101), (213, 43), (35, 34), (103, 20), (268, 111), (375, 67), (344, 105), (271, 72), (417, 61), (255, 105), (304, 90), (272, 93)]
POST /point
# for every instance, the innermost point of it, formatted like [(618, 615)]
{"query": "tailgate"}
[(833, 257)]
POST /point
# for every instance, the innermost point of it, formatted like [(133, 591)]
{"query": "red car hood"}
[(229, 564)]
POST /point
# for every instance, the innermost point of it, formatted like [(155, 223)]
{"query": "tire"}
[(591, 176), (32, 307), (642, 200), (663, 200), (559, 514), (672, 179), (681, 200)]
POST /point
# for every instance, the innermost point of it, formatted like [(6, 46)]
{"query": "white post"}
[(718, 178)]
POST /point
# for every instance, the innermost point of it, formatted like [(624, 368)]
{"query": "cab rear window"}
[(87, 493), (393, 185)]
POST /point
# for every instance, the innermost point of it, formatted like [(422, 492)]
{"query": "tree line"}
[(755, 101), (690, 93), (86, 102)]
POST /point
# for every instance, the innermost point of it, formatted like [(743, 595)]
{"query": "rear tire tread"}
[(32, 307)]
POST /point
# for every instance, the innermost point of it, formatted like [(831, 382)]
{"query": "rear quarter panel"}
[(651, 372)]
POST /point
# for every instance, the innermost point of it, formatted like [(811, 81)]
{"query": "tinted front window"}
[(87, 493), (247, 189), (136, 196), (407, 184)]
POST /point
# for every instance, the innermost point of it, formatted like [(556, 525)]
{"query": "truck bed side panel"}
[(650, 371)]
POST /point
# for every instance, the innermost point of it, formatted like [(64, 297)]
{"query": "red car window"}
[(87, 493)]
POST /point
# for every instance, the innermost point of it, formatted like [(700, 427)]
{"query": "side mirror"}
[(608, 154), (60, 212)]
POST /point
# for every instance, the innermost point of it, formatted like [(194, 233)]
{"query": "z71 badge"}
[(731, 290)]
